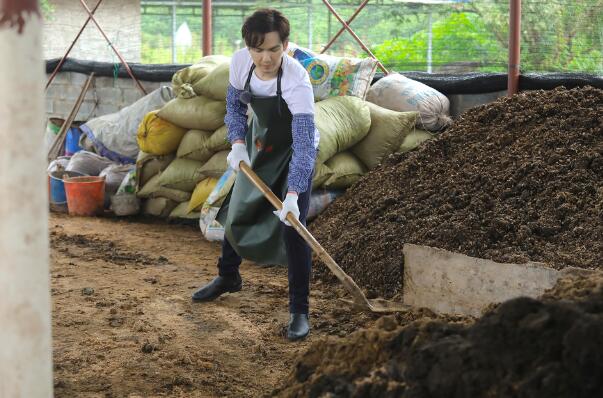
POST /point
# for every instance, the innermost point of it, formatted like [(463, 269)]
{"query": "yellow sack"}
[(215, 84), (185, 82), (216, 166), (347, 169), (157, 136), (201, 192), (341, 122), (198, 113), (388, 130), (194, 146)]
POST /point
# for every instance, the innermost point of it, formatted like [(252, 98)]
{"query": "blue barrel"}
[(72, 141), (58, 198)]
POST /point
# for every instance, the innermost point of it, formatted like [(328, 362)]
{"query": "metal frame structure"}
[(347, 27), (93, 19)]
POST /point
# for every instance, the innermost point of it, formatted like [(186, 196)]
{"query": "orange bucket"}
[(85, 195)]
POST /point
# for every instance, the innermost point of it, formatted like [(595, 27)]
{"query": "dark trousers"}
[(299, 257)]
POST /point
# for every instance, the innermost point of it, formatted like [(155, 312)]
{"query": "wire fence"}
[(442, 37)]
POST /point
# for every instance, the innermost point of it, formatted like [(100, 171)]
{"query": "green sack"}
[(321, 174), (198, 113), (388, 130), (158, 207), (341, 122), (215, 84), (194, 146), (181, 211), (219, 140), (414, 139), (182, 174), (152, 189), (347, 169), (185, 82), (148, 165), (216, 166)]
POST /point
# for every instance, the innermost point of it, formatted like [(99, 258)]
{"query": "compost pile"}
[(516, 180), (525, 347)]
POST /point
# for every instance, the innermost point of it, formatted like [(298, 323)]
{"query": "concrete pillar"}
[(25, 337)]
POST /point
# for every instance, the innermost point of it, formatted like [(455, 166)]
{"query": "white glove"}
[(237, 154), (289, 206)]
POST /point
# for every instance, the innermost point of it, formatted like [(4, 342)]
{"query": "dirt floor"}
[(124, 324)]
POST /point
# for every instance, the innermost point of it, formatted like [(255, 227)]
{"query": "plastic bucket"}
[(56, 189), (54, 125), (85, 195), (72, 141)]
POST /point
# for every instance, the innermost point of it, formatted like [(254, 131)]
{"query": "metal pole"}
[(514, 46), (207, 39), (123, 61), (310, 24), (349, 21), (62, 61), (429, 41), (173, 33), (25, 334), (355, 36), (328, 33)]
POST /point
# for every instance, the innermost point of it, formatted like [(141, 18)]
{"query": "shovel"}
[(359, 299)]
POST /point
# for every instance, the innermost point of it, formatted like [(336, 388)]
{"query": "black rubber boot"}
[(299, 327), (217, 287)]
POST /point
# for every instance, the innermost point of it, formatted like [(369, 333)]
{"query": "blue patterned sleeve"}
[(236, 115), (304, 152)]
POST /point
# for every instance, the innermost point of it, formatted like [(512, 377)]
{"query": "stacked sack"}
[(399, 93), (184, 145), (355, 135)]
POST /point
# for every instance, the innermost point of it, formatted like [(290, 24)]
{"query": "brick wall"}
[(106, 95), (120, 19)]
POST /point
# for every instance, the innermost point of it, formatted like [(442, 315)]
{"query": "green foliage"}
[(47, 8), (457, 33), (556, 36)]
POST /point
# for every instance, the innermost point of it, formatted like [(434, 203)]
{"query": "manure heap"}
[(545, 348), (517, 180)]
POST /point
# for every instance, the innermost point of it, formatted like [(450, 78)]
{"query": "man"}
[(280, 146)]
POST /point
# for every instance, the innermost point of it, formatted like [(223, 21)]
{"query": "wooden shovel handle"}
[(344, 278)]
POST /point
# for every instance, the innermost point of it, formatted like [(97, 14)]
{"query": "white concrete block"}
[(126, 83), (453, 283), (86, 112), (62, 108), (109, 94), (60, 78), (78, 79), (131, 95), (105, 109), (49, 106), (105, 81)]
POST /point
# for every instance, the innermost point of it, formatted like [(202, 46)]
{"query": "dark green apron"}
[(250, 226)]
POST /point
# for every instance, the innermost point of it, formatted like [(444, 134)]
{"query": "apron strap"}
[(245, 96), (279, 93)]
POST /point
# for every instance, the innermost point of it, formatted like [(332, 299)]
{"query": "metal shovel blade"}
[(359, 299)]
